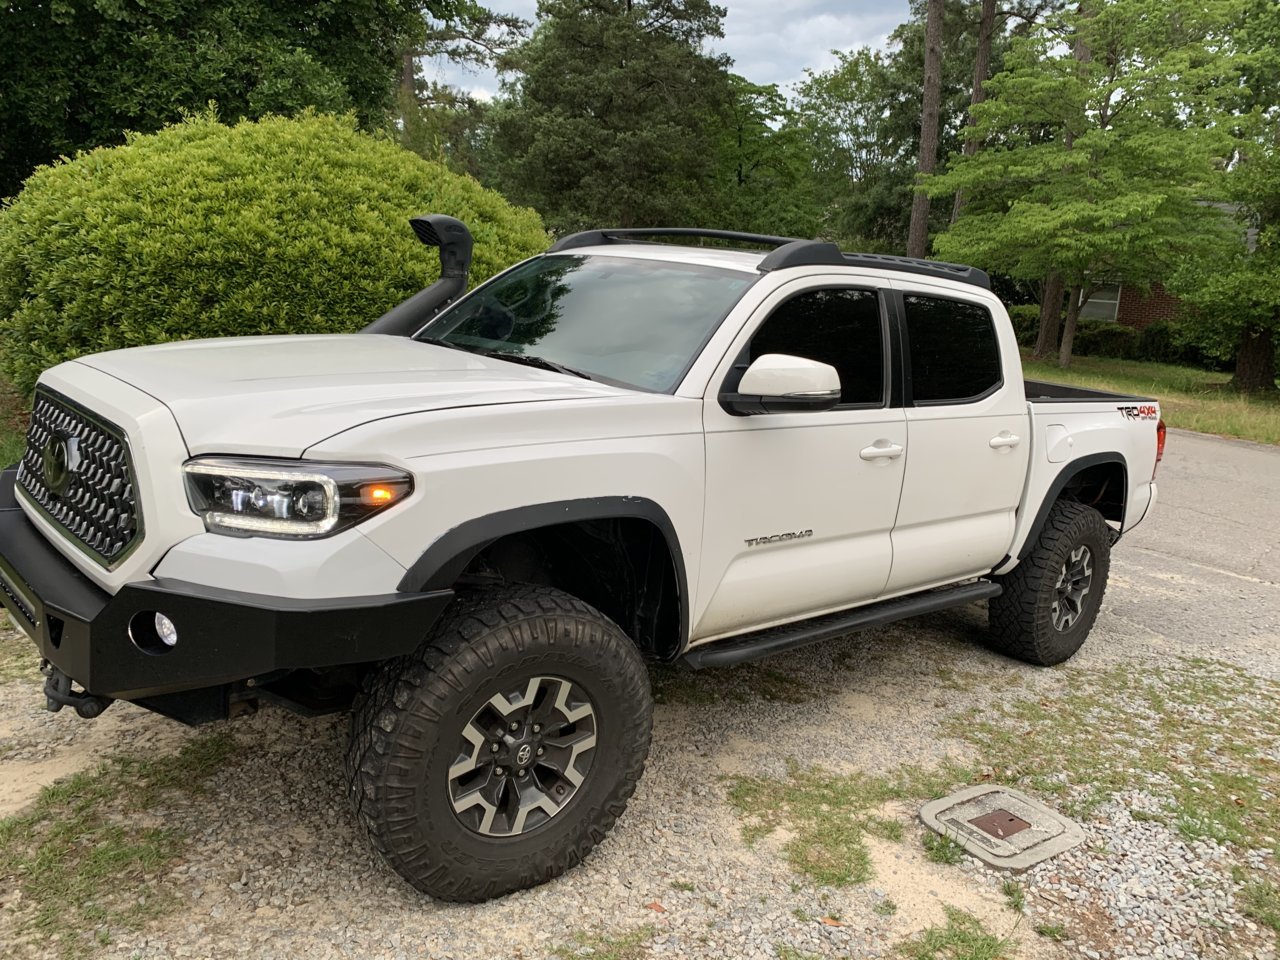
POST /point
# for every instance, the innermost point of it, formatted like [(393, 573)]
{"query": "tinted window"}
[(839, 327), (954, 353), (638, 322)]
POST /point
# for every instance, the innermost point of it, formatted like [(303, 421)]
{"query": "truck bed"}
[(1039, 391)]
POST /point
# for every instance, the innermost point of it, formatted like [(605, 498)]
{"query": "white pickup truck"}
[(473, 523)]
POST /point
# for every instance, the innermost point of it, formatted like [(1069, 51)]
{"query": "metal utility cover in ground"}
[(1001, 826)]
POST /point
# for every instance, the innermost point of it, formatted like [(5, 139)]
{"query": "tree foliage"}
[(1101, 147), (862, 119), (275, 226), (1234, 296), (609, 119), (79, 73)]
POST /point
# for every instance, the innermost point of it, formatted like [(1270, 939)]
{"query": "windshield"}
[(634, 322)]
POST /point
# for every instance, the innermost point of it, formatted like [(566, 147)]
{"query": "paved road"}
[(1203, 572)]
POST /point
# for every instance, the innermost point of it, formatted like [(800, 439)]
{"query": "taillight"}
[(1160, 432)]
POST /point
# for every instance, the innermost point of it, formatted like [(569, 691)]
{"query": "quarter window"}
[(837, 326), (955, 356)]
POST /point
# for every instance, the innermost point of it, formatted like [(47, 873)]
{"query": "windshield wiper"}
[(529, 360)]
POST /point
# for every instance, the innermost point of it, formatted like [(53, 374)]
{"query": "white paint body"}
[(898, 500)]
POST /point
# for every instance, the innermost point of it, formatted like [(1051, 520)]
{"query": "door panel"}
[(967, 459), (796, 474), (800, 506)]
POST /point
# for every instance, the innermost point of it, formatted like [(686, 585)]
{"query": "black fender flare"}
[(440, 565), (1065, 476)]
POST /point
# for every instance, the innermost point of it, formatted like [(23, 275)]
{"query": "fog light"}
[(167, 632)]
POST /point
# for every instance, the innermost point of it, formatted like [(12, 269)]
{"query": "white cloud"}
[(770, 42)]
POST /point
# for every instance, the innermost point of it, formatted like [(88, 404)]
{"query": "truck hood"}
[(279, 395)]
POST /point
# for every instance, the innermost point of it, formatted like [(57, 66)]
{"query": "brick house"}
[(1127, 305)]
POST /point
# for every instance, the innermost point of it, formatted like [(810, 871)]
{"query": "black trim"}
[(223, 635), (1065, 476), (900, 367), (442, 563), (763, 643), (1045, 392)]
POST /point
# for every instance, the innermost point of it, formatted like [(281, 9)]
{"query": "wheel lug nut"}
[(514, 726), (537, 728), (541, 751), (493, 748), (520, 773), (502, 772)]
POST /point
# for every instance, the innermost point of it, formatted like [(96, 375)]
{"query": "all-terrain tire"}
[(406, 740), (1023, 621)]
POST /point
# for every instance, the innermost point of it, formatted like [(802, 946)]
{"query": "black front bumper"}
[(223, 636)]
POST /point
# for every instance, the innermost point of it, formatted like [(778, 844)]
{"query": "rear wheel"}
[(1052, 597), (497, 755)]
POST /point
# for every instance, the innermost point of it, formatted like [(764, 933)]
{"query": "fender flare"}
[(1065, 476), (443, 562)]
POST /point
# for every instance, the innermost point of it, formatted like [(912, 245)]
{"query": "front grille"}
[(77, 469)]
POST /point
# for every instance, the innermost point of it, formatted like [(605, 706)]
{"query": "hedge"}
[(204, 229)]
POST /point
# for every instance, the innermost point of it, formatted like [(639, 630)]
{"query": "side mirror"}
[(777, 383)]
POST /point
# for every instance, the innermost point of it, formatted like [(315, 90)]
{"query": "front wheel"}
[(499, 753), (1052, 597)]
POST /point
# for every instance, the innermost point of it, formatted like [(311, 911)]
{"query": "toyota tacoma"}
[(473, 523)]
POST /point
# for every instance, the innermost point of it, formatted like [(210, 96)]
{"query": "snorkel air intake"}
[(454, 240)]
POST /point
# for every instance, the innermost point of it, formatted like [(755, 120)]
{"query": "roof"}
[(786, 252)]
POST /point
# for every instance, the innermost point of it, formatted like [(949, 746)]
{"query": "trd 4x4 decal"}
[(1147, 411)]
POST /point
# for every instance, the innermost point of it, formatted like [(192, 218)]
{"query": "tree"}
[(862, 121), (931, 102), (1103, 149), (764, 174), (611, 118), (79, 73), (1234, 296)]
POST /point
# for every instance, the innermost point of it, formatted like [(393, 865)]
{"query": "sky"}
[(770, 41)]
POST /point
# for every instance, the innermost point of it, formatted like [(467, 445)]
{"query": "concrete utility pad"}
[(1002, 826)]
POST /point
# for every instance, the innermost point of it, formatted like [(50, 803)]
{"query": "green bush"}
[(1026, 322), (204, 230), (1105, 338)]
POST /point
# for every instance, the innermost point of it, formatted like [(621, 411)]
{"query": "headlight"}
[(289, 499)]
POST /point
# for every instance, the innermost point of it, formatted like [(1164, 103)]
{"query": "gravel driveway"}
[(260, 855)]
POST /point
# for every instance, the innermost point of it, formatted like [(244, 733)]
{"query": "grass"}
[(962, 938), (631, 945), (1260, 900), (1189, 398), (885, 908), (84, 857), (684, 886), (939, 848), (1052, 931), (1013, 895), (828, 816)]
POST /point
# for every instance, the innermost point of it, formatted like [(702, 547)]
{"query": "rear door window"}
[(954, 352)]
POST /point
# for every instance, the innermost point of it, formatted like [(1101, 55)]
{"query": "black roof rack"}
[(788, 252)]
